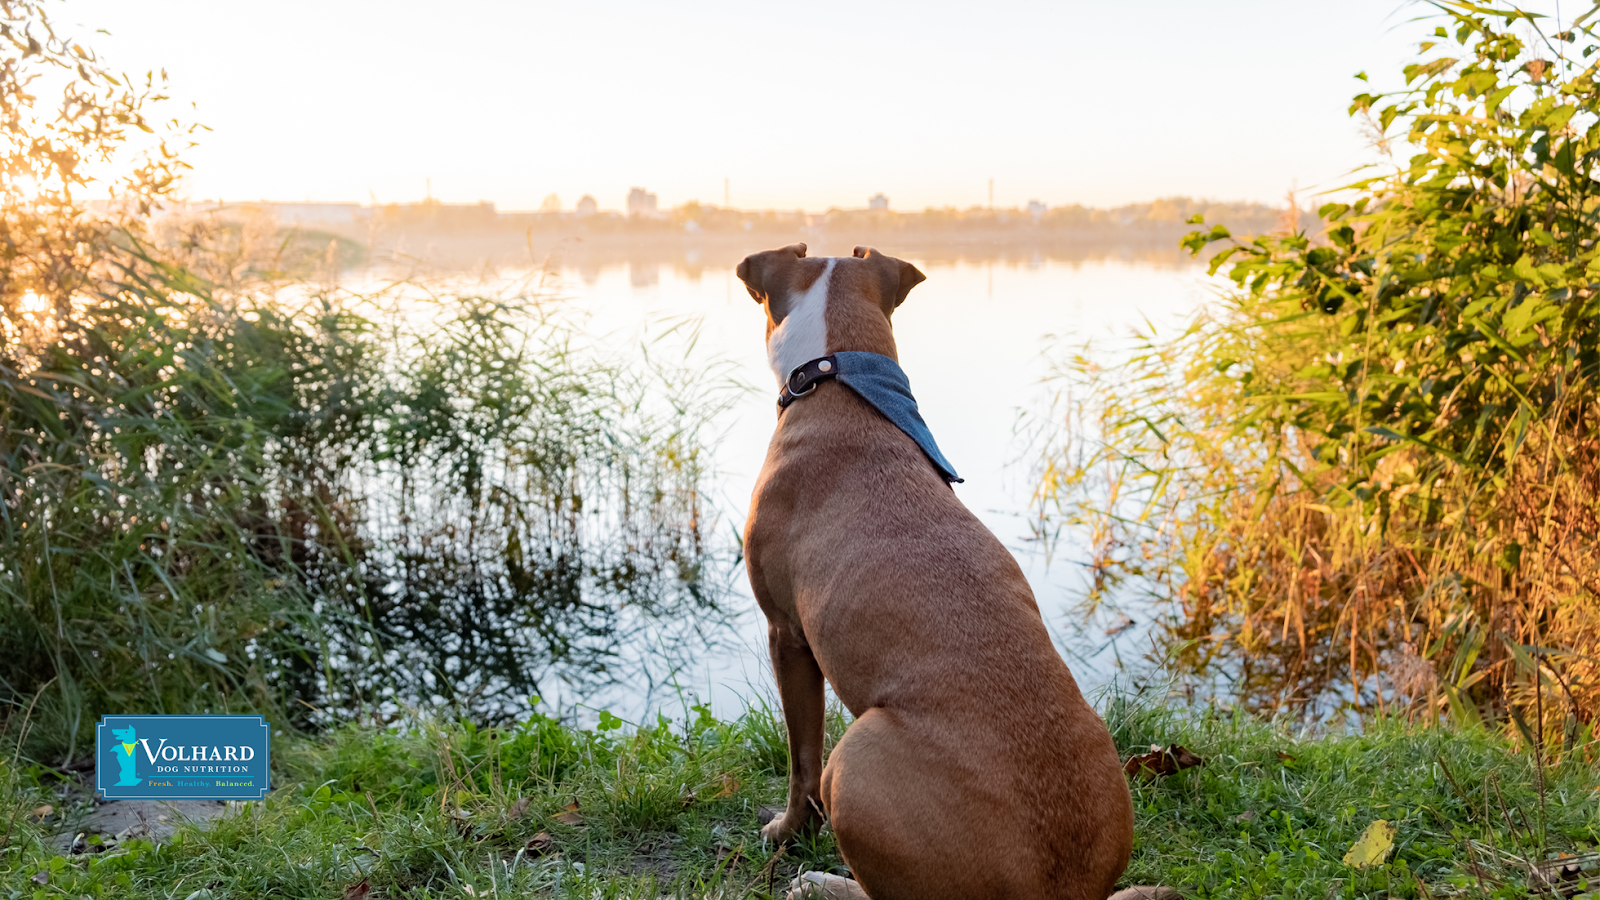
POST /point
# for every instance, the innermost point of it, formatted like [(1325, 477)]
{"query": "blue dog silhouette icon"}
[(124, 756)]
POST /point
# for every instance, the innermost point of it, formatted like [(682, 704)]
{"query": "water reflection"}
[(970, 338)]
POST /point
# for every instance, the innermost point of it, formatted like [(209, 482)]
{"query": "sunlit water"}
[(973, 339)]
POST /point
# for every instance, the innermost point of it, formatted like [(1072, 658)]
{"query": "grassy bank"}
[(671, 808)]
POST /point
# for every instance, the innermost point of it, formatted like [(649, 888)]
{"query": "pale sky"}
[(798, 105)]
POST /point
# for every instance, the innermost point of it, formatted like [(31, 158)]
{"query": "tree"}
[(53, 244)]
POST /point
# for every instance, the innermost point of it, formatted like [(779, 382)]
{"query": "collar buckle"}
[(805, 378)]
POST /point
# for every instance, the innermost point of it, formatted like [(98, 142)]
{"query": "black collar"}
[(803, 380)]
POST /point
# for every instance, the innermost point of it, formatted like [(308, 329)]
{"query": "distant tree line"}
[(1164, 217)]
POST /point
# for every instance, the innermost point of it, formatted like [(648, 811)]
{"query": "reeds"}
[(289, 500)]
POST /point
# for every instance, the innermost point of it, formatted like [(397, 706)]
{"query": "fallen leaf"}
[(1565, 872), (688, 798), (1247, 816), (518, 808), (1161, 761), (40, 812), (730, 786), (1372, 847), (358, 891), (572, 816), (1286, 757), (540, 844), (41, 878)]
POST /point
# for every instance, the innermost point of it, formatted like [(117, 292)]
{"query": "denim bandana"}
[(881, 382)]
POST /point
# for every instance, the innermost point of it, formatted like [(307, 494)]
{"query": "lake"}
[(973, 339)]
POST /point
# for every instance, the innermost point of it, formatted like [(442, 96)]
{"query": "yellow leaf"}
[(1372, 847)]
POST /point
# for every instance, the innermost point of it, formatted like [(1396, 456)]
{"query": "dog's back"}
[(974, 768)]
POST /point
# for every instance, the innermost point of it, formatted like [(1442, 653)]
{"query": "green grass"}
[(670, 809)]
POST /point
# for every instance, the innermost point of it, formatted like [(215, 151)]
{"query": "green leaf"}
[(1390, 434), (1523, 268), (1516, 320), (1492, 102), (1519, 430), (1560, 116), (1428, 69)]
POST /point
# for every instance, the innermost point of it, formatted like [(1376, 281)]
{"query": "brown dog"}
[(974, 768)]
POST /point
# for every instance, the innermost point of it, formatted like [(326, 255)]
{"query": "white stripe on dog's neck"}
[(803, 334)]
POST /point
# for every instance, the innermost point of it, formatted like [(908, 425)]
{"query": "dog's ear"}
[(896, 277), (763, 273)]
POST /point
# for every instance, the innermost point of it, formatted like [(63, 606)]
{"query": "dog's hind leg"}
[(910, 823), (920, 814)]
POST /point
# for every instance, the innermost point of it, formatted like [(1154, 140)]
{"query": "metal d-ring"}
[(799, 373)]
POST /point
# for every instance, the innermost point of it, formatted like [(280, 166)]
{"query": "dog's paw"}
[(778, 830), (1146, 892), (823, 886), (782, 824)]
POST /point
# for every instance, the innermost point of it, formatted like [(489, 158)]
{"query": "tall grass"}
[(1366, 477), (293, 500)]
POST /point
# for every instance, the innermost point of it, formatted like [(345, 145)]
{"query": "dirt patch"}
[(115, 821)]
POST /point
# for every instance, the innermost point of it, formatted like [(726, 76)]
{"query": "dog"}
[(974, 767), (123, 753)]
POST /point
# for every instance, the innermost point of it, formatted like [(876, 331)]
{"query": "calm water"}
[(972, 339)]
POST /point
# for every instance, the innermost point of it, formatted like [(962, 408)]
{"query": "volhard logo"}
[(182, 757)]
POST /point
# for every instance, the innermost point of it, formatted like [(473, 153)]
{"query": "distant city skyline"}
[(763, 107)]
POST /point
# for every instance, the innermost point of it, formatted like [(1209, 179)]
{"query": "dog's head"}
[(821, 305), (124, 735)]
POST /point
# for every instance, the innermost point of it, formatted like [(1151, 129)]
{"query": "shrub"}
[(1367, 475)]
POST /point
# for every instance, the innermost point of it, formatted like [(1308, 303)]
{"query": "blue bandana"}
[(882, 383)]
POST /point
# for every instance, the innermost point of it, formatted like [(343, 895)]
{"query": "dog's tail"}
[(1146, 892)]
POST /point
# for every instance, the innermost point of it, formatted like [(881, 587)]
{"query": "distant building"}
[(1037, 209), (641, 202), (878, 201), (586, 206)]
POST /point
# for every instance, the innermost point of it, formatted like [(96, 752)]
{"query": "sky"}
[(796, 106)]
